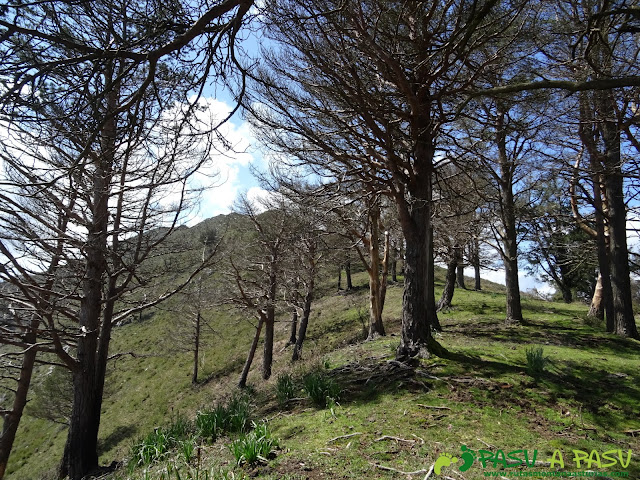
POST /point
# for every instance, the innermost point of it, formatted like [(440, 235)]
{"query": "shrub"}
[(320, 387), (536, 362), (255, 446)]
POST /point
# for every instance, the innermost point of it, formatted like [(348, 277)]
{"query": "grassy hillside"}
[(388, 418)]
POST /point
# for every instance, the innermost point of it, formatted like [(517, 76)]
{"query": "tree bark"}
[(376, 293), (252, 351), (475, 261), (460, 272), (304, 322), (347, 271), (509, 222), (294, 327), (267, 359), (418, 302), (450, 282), (624, 321), (196, 349), (595, 309)]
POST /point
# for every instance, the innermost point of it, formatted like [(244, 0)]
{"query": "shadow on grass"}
[(116, 437), (613, 398)]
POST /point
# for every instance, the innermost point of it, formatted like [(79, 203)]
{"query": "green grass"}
[(587, 398)]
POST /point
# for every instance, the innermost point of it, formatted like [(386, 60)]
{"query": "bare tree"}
[(93, 139), (255, 271), (363, 91)]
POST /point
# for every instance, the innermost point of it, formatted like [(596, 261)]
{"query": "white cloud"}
[(227, 171)]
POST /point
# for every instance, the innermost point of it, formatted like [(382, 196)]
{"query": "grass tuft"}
[(536, 362), (285, 388), (320, 387), (255, 446)]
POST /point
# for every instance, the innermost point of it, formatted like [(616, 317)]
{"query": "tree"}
[(503, 136), (558, 249), (188, 332), (362, 92), (91, 145), (255, 272), (598, 45)]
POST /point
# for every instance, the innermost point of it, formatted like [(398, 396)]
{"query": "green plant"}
[(239, 414), (536, 361), (233, 417), (254, 446), (320, 387), (187, 448), (210, 423), (157, 444), (285, 388), (151, 448)]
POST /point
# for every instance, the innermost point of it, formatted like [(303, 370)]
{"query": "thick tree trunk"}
[(13, 417), (252, 352), (514, 307), (602, 243), (590, 138), (624, 321), (80, 455), (418, 302), (340, 278)]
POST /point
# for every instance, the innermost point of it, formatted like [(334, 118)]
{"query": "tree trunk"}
[(304, 322), (347, 271), (450, 282), (394, 270), (418, 301), (509, 222), (475, 261), (252, 351), (567, 295), (595, 309), (376, 328), (340, 278), (13, 417), (460, 272), (270, 320), (267, 359), (294, 327), (514, 307), (624, 321), (196, 349), (591, 139)]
